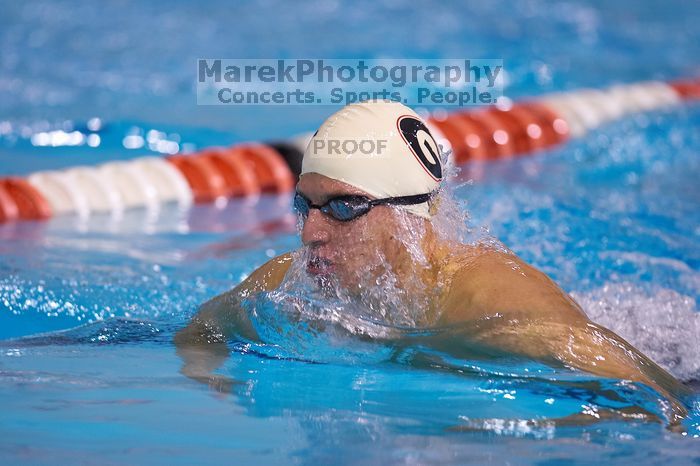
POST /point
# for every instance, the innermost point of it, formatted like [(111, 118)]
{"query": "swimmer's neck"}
[(442, 261)]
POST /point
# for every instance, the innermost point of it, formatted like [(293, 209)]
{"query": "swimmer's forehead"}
[(319, 188)]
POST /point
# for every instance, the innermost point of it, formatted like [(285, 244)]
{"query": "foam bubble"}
[(661, 323)]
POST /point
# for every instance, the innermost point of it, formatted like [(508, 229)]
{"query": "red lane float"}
[(273, 173), (239, 175), (8, 206), (495, 133), (687, 89), (498, 132), (205, 180), (469, 138), (515, 122), (241, 170), (30, 204), (530, 130), (555, 128)]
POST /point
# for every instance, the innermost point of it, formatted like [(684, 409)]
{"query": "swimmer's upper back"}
[(490, 283)]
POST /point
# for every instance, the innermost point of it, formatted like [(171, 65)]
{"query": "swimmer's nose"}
[(315, 230)]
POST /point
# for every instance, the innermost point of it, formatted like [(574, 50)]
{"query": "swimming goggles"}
[(346, 208)]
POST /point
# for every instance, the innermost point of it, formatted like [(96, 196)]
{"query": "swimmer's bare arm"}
[(518, 309), (202, 344)]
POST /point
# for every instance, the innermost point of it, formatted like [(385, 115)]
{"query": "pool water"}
[(88, 308)]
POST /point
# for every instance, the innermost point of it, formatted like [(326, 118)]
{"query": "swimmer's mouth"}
[(319, 266)]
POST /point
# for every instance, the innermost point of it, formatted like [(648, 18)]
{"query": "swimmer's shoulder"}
[(268, 276), (223, 312), (487, 281)]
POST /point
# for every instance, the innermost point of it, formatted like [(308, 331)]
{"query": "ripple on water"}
[(661, 323)]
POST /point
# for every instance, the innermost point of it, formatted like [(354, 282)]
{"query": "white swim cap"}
[(381, 147)]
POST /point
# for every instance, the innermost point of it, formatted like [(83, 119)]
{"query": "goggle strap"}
[(403, 200)]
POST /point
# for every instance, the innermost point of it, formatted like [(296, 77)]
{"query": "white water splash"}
[(663, 324)]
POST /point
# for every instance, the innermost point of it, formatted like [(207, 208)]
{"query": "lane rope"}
[(247, 170)]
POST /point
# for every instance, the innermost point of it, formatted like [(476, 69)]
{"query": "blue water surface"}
[(88, 308)]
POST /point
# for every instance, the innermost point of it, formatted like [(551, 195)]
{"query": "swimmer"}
[(355, 209)]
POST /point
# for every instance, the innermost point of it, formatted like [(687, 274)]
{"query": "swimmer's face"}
[(354, 251)]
